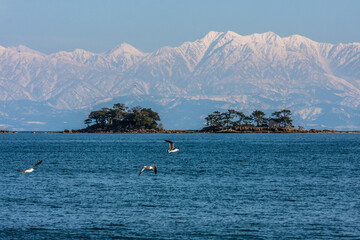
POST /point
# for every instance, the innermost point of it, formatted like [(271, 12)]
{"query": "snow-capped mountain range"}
[(319, 82)]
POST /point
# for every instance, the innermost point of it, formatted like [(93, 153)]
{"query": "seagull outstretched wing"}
[(142, 170), (171, 144), (151, 167)]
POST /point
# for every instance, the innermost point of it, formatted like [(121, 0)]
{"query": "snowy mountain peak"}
[(80, 51), (21, 49), (230, 35), (298, 39), (225, 37), (265, 38), (126, 48), (210, 37)]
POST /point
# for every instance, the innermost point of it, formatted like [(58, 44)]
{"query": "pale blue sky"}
[(99, 26)]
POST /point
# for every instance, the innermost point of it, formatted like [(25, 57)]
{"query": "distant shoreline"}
[(243, 129)]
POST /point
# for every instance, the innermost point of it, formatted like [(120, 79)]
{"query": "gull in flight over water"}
[(172, 147), (30, 169), (150, 167)]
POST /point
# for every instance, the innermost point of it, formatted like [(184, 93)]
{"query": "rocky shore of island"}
[(100, 130), (254, 129), (241, 129)]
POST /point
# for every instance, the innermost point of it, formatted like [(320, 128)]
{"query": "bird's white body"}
[(172, 150), (29, 170)]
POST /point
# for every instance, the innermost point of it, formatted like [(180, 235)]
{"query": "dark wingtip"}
[(37, 164)]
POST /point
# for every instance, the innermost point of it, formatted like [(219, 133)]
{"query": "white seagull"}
[(172, 147), (150, 167), (30, 169)]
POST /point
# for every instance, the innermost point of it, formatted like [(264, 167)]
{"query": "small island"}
[(233, 121), (122, 119)]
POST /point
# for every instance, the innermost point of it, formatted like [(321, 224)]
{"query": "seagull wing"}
[(142, 170), (36, 164), (171, 144), (155, 170)]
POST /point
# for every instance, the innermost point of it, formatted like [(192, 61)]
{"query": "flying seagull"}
[(30, 169), (150, 167), (172, 147)]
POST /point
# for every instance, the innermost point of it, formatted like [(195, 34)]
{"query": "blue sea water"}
[(218, 186)]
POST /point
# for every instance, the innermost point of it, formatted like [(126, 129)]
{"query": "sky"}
[(99, 26)]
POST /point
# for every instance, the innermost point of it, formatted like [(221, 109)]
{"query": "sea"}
[(218, 186)]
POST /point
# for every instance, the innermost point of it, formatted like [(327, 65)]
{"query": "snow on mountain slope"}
[(258, 71)]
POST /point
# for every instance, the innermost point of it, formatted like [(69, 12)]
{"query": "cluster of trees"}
[(232, 118), (121, 117)]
